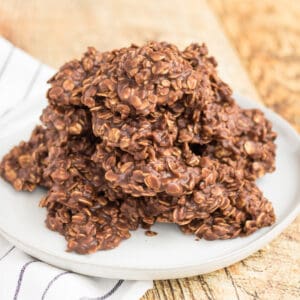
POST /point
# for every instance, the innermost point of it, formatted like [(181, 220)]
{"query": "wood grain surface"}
[(266, 36)]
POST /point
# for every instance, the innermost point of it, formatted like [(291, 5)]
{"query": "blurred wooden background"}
[(261, 36)]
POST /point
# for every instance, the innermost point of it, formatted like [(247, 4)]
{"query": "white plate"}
[(170, 254)]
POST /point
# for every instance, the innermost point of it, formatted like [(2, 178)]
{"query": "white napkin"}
[(22, 80)]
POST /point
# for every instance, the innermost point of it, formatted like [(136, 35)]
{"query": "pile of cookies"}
[(142, 135)]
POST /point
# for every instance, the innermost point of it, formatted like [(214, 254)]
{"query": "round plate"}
[(170, 254)]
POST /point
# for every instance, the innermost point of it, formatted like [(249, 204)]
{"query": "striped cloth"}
[(23, 79)]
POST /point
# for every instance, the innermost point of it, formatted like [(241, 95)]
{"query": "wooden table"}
[(264, 35)]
